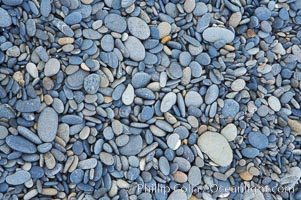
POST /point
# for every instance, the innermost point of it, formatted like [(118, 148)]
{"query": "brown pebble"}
[(246, 176), (295, 126), (251, 33), (107, 99), (180, 177), (165, 39)]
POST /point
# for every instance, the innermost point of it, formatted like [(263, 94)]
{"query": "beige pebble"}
[(84, 133), (49, 191), (246, 176), (65, 40), (49, 160), (235, 19), (164, 29), (180, 177), (230, 132)]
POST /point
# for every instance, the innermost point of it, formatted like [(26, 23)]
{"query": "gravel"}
[(126, 99)]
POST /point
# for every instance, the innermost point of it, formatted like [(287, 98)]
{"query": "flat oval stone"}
[(47, 124), (194, 176), (214, 34), (140, 79), (274, 103), (107, 43), (77, 176), (193, 98), (133, 147), (18, 178), (168, 101), (138, 28), (211, 94), (20, 144), (135, 48), (258, 140), (52, 67), (229, 132), (115, 23), (89, 163), (31, 105), (128, 95), (32, 70), (91, 83), (250, 152), (73, 18), (6, 20), (216, 147)]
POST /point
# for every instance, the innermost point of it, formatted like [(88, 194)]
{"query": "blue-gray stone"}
[(230, 109), (36, 172), (263, 13), (12, 2), (18, 178), (20, 144), (31, 105), (48, 124), (6, 111), (250, 152), (5, 18), (72, 119), (133, 147), (91, 83), (140, 79), (145, 93), (115, 23), (28, 134), (45, 7), (77, 176), (73, 18), (258, 140), (133, 174), (147, 113)]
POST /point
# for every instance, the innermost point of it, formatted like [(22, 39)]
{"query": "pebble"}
[(115, 22), (235, 19), (177, 194), (216, 147), (173, 141), (262, 13), (274, 103), (230, 109), (20, 144), (238, 85), (194, 176), (138, 28), (135, 48), (128, 95), (211, 94), (52, 67), (107, 43), (229, 132), (48, 124), (164, 29), (250, 152), (106, 158), (258, 140), (133, 147), (77, 176), (91, 83), (213, 34), (73, 18), (168, 101), (6, 19), (193, 98), (140, 79), (189, 6), (32, 70), (31, 105), (87, 164), (18, 178)]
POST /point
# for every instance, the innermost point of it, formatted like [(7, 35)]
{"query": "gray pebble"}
[(47, 124)]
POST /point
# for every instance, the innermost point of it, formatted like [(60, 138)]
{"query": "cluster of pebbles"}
[(99, 98)]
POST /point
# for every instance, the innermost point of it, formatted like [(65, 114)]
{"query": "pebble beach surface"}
[(156, 99)]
